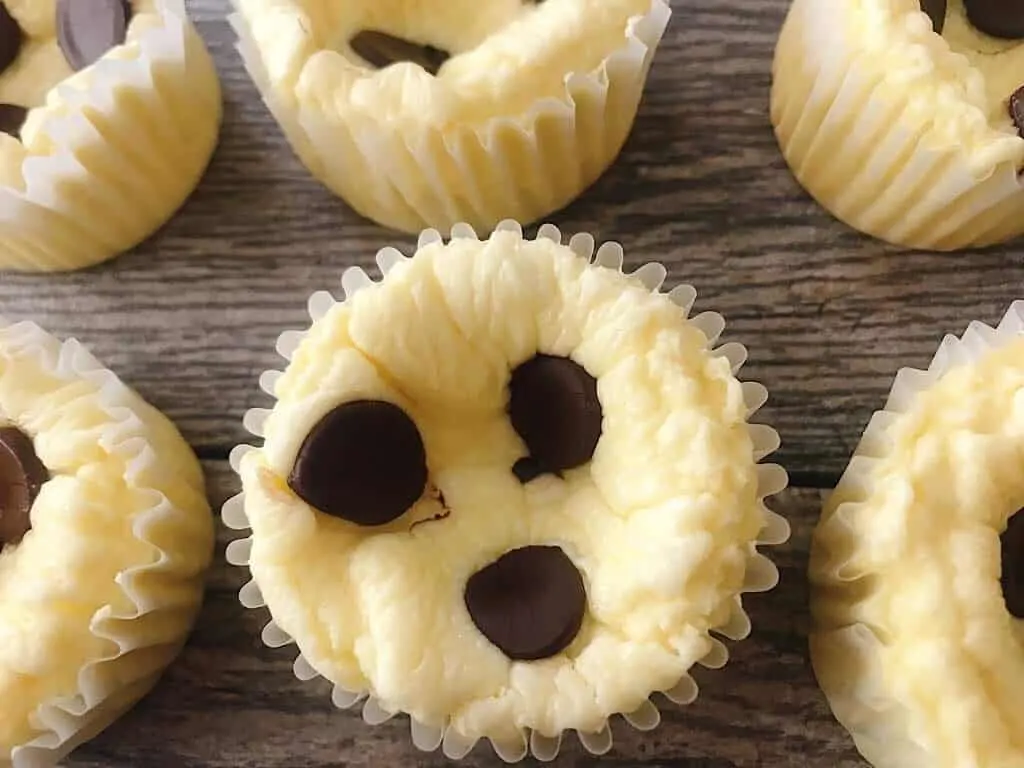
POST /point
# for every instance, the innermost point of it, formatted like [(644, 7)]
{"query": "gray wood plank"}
[(190, 316), (231, 703)]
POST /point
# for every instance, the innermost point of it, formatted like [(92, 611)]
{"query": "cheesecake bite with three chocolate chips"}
[(509, 491), (109, 112), (431, 113), (917, 565), (904, 118), (105, 534)]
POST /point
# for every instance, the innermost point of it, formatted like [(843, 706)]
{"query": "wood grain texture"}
[(190, 317), (231, 703)]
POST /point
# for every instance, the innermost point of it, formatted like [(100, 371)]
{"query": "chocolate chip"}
[(529, 602), (936, 10), (554, 408), (380, 49), (527, 469), (22, 474), (999, 18), (363, 462), (1017, 110), (12, 117), (10, 38), (87, 29), (1012, 579)]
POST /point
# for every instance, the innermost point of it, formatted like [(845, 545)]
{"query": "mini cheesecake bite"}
[(917, 564), (109, 112), (105, 534), (509, 491), (427, 115), (903, 117)]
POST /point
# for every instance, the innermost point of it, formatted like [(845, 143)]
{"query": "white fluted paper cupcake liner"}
[(761, 573), (847, 656), (114, 151), (523, 165), (855, 142), (159, 598)]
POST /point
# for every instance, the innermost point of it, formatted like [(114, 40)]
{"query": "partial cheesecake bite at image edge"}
[(904, 118), (109, 113), (105, 537), (917, 564)]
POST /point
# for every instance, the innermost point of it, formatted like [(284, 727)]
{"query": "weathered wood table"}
[(191, 316)]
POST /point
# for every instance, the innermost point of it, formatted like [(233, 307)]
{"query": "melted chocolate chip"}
[(380, 49), (554, 408), (530, 602), (936, 10), (433, 519), (10, 38), (1012, 580), (22, 474), (1017, 110), (999, 18), (12, 117), (363, 462), (87, 29)]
